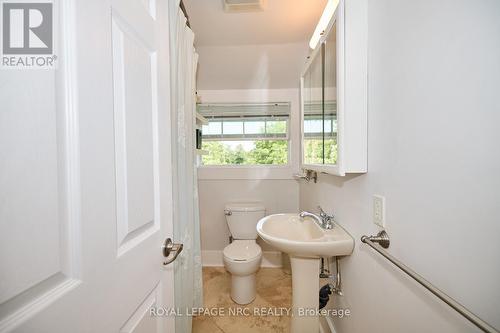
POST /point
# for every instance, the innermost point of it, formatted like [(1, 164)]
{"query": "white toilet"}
[(242, 257)]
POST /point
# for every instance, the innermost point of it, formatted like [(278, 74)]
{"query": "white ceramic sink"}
[(306, 242), (303, 237)]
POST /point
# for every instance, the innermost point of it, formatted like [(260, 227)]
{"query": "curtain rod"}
[(184, 11)]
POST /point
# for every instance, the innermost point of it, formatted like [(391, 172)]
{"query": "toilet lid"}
[(242, 250)]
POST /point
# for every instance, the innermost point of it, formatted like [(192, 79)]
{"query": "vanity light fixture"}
[(323, 22)]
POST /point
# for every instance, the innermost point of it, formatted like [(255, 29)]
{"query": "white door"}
[(85, 176)]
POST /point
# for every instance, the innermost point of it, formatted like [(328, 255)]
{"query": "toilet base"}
[(243, 288)]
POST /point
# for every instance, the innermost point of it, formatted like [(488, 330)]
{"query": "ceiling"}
[(281, 22), (252, 50)]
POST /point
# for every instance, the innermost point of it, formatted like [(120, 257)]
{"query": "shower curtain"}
[(187, 269)]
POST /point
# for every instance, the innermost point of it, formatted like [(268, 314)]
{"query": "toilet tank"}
[(242, 219)]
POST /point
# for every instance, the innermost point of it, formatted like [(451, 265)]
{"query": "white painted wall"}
[(277, 195), (258, 66), (275, 187), (434, 110)]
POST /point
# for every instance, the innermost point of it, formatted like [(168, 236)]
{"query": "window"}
[(245, 134)]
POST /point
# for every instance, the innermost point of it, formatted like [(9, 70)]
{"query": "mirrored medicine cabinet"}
[(334, 95)]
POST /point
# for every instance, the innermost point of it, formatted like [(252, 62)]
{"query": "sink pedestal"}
[(306, 242), (305, 297)]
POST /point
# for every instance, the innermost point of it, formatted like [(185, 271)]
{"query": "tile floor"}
[(274, 290)]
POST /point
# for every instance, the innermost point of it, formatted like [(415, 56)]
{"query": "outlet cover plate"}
[(379, 210)]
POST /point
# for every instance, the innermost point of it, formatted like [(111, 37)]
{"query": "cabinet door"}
[(330, 146), (313, 111)]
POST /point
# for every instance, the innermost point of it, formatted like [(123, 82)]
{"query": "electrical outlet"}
[(379, 210)]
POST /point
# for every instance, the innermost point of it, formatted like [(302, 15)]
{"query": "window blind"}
[(315, 123), (263, 121), (223, 110)]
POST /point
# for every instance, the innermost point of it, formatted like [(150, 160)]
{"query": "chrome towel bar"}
[(382, 240)]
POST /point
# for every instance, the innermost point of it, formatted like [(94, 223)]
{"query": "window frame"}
[(260, 172), (237, 137)]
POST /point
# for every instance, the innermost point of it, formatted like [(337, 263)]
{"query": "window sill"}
[(245, 172)]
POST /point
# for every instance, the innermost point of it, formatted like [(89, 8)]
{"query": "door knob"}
[(170, 247)]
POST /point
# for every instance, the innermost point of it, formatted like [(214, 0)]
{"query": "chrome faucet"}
[(324, 220)]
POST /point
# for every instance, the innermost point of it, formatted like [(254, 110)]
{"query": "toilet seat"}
[(242, 251)]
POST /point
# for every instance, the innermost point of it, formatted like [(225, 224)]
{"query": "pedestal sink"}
[(305, 242)]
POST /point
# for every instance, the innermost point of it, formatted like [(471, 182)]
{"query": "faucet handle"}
[(323, 214)]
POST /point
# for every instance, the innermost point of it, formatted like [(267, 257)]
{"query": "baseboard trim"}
[(213, 258)]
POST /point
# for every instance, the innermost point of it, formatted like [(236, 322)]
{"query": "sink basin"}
[(303, 237), (305, 242)]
